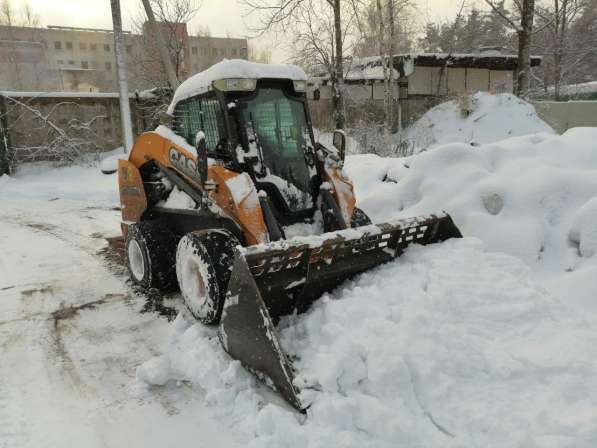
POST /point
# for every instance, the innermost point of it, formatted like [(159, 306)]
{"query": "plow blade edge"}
[(272, 280)]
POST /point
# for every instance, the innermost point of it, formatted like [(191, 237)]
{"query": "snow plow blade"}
[(273, 280)]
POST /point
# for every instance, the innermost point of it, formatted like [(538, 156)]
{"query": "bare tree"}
[(173, 16), (565, 50), (305, 18), (524, 30)]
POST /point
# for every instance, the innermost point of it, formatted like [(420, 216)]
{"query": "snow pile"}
[(532, 197), (481, 118), (447, 346)]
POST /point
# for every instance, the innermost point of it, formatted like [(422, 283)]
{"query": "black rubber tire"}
[(156, 251), (359, 218), (203, 267)]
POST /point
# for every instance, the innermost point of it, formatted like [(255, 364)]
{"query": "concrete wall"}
[(92, 123), (565, 115)]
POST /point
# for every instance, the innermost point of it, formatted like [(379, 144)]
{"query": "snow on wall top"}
[(11, 94), (234, 68)]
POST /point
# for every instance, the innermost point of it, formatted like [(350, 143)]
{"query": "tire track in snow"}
[(12, 425)]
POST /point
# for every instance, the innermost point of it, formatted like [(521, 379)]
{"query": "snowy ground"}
[(72, 331), (486, 341)]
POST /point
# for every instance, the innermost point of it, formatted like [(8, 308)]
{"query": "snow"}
[(448, 346), (178, 199), (17, 94), (243, 191), (577, 89), (292, 194), (109, 162), (371, 69), (484, 341), (234, 68), (179, 141), (492, 118), (489, 340), (72, 325), (583, 230)]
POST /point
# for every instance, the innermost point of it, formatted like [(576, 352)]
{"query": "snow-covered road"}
[(72, 330)]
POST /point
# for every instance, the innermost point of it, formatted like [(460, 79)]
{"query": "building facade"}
[(82, 59), (421, 81)]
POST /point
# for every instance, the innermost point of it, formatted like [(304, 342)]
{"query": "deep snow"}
[(488, 118), (485, 341), (531, 197)]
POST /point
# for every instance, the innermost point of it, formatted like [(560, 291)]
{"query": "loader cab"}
[(261, 126)]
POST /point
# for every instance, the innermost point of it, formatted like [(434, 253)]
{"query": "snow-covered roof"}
[(234, 68), (370, 68)]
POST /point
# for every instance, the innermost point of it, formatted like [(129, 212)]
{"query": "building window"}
[(106, 47), (84, 64), (69, 45), (71, 62), (214, 52), (60, 62), (222, 52), (204, 51), (82, 46), (243, 53), (93, 47), (108, 66), (58, 45), (194, 50), (234, 52), (129, 49)]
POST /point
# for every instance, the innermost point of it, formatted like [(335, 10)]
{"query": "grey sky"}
[(223, 17)]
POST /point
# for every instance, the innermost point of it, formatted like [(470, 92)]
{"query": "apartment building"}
[(66, 59)]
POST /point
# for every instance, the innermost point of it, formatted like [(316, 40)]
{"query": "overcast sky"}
[(223, 17)]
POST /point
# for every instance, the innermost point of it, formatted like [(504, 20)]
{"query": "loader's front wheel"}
[(203, 264), (150, 255)]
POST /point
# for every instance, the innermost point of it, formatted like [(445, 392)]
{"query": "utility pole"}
[(4, 166), (125, 108), (164, 55)]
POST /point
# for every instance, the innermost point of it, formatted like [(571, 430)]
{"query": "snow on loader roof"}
[(234, 68)]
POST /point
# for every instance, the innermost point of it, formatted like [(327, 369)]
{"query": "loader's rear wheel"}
[(359, 218), (203, 266), (150, 254)]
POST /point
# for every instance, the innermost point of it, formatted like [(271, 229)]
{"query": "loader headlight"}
[(300, 86), (236, 84)]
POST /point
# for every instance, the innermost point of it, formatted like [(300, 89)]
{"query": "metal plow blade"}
[(273, 280)]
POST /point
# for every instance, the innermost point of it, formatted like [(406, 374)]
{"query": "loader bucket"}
[(272, 280)]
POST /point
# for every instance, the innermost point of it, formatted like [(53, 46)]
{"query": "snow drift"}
[(477, 119), (485, 341), (448, 346)]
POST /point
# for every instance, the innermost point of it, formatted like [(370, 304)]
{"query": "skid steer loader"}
[(208, 204)]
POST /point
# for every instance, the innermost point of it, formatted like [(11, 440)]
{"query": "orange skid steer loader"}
[(213, 205)]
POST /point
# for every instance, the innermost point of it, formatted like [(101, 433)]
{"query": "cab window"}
[(194, 115)]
